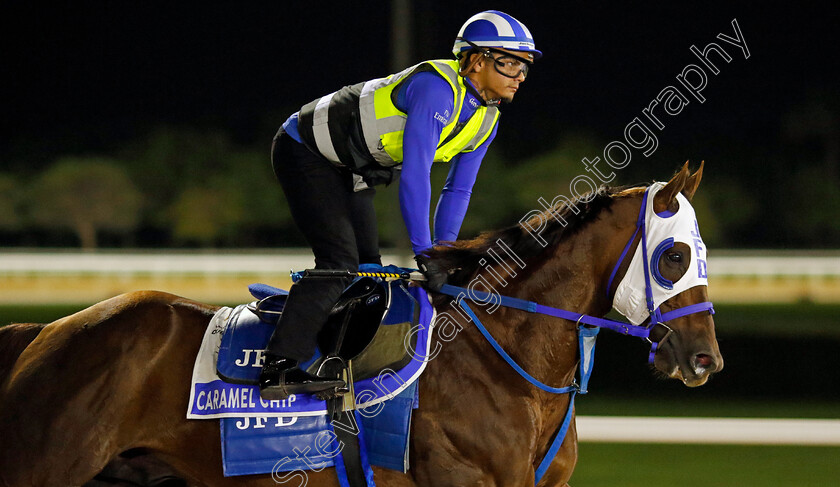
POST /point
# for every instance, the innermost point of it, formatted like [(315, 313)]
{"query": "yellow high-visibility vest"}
[(330, 124)]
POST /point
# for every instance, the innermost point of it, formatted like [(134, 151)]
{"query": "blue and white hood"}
[(661, 233)]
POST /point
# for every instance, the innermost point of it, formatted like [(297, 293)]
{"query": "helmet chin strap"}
[(489, 101), (475, 85)]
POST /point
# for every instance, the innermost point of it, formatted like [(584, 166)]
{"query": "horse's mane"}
[(464, 257)]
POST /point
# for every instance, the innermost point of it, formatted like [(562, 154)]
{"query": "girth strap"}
[(351, 466)]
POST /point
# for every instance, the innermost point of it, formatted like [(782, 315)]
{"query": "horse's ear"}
[(666, 198), (692, 183)]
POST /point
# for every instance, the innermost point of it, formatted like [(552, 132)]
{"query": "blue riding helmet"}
[(495, 29)]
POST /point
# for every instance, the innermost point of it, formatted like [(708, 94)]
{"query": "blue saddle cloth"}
[(276, 445), (285, 436), (212, 397)]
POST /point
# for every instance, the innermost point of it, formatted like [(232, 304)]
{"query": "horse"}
[(115, 377), (13, 339)]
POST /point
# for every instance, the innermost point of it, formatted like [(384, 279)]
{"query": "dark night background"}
[(92, 77), (85, 79)]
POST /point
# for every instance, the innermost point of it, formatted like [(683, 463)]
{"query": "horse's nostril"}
[(702, 360)]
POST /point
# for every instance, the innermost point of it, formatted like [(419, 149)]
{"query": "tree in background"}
[(817, 119), (810, 194), (10, 193), (549, 174), (169, 159), (186, 187), (202, 215), (85, 195), (202, 190)]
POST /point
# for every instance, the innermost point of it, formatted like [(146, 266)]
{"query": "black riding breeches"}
[(340, 226)]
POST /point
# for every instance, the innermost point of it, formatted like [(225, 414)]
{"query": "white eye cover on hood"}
[(661, 232)]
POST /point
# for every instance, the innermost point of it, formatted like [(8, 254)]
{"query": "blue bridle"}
[(586, 334)]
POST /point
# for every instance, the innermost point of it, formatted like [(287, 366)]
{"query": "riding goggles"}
[(506, 64)]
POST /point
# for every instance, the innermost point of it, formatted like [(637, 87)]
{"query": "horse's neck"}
[(574, 277), (469, 385), (545, 346)]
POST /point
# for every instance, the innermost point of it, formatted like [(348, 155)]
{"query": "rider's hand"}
[(435, 275)]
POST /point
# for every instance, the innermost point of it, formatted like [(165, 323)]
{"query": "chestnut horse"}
[(115, 377)]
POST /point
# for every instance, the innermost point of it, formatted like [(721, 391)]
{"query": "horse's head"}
[(665, 282), (652, 260)]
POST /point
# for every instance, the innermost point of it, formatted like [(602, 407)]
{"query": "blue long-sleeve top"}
[(424, 98), (427, 100)]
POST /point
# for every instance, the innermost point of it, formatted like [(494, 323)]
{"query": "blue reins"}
[(586, 334)]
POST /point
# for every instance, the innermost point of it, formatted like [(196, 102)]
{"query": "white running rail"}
[(721, 263), (759, 431)]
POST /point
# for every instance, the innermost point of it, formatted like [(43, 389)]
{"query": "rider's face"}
[(489, 79)]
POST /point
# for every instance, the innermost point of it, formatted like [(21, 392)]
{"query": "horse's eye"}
[(675, 257)]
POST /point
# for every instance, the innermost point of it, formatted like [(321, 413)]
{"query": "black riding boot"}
[(281, 377)]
